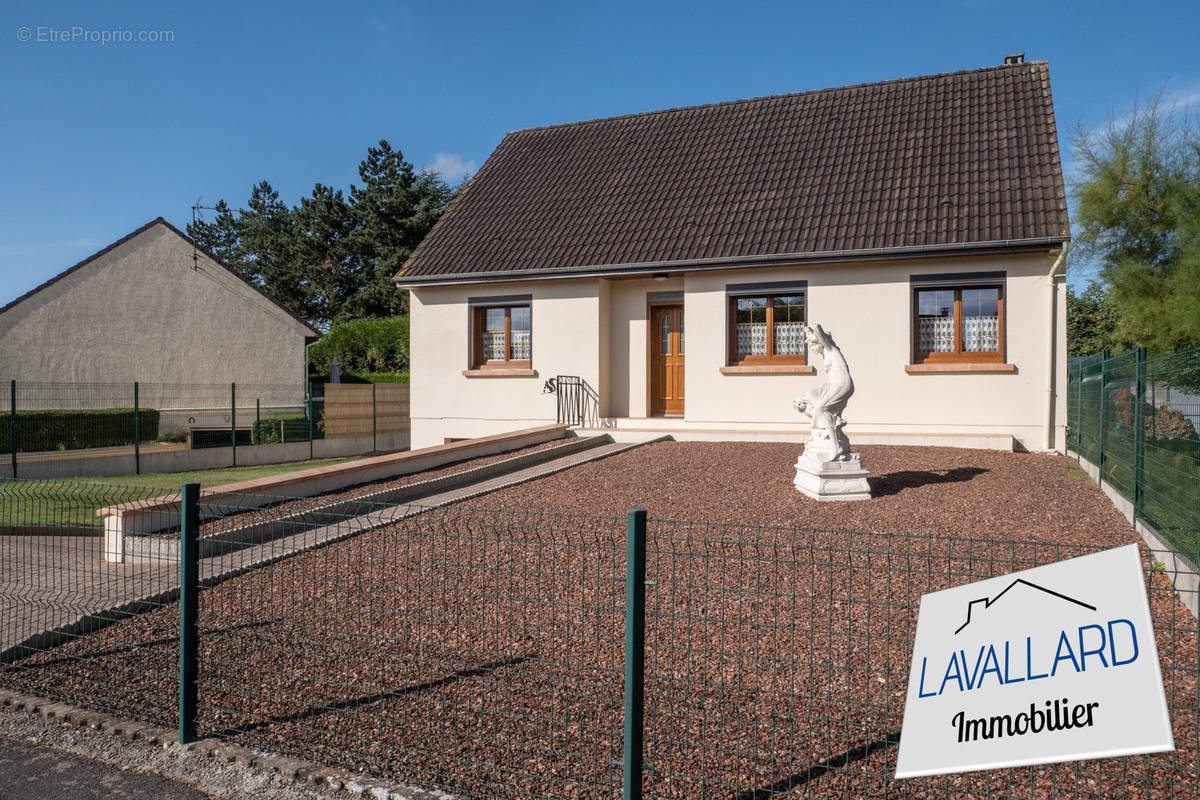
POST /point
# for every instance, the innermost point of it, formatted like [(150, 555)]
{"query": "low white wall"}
[(98, 466)]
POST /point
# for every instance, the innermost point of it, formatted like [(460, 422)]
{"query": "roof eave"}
[(733, 262)]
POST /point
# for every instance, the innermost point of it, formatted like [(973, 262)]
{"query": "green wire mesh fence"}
[(483, 652), (1136, 419), (53, 430)]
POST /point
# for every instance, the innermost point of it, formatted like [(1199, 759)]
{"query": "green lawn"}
[(171, 481), (73, 501)]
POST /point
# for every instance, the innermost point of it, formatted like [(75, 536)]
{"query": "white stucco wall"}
[(140, 312), (446, 404), (866, 307), (597, 329)]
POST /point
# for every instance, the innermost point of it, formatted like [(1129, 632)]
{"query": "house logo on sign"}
[(1033, 668)]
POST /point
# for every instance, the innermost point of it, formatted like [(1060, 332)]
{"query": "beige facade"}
[(596, 328), (143, 311)]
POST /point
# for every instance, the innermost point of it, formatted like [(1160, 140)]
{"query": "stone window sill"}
[(500, 372), (765, 369), (957, 369)]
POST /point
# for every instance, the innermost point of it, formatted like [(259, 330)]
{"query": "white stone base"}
[(832, 480)]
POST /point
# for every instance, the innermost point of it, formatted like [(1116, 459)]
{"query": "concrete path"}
[(35, 771), (53, 588), (50, 581)]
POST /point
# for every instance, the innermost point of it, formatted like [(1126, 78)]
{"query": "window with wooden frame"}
[(501, 336), (958, 322), (767, 328)]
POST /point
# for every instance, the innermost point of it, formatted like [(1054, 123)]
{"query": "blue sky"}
[(98, 138)]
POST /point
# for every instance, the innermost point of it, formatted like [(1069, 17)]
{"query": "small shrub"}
[(173, 436), (285, 428)]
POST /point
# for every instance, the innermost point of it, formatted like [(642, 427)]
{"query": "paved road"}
[(36, 772)]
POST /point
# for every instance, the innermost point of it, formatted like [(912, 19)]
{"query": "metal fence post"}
[(137, 432), (257, 421), (1074, 382), (1103, 437), (12, 425), (309, 403), (635, 652), (1139, 435), (233, 420), (189, 589), (374, 420)]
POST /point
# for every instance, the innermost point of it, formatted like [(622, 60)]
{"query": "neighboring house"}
[(142, 309), (920, 221)]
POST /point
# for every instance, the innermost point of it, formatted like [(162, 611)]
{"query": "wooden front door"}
[(666, 360)]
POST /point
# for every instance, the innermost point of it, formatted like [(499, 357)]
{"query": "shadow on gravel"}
[(821, 767), (130, 648), (896, 482), (346, 705)]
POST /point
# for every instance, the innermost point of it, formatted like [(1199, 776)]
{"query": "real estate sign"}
[(1055, 663)]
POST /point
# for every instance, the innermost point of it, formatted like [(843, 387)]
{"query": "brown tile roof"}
[(946, 160)]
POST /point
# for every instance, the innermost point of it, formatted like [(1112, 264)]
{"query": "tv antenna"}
[(196, 208)]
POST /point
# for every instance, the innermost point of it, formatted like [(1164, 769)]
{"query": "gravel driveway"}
[(481, 651)]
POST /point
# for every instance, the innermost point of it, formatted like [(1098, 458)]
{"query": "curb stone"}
[(287, 767)]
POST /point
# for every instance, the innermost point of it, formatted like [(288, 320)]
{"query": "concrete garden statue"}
[(827, 470)]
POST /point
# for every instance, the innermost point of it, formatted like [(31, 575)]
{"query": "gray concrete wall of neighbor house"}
[(207, 458), (140, 312)]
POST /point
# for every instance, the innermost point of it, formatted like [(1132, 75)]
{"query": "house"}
[(150, 307), (670, 260)]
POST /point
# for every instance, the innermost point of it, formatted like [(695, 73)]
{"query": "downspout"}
[(1052, 331)]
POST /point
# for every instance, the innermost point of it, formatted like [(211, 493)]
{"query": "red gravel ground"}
[(479, 648), (942, 490)]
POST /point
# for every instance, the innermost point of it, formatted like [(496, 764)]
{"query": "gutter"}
[(1052, 331), (999, 246)]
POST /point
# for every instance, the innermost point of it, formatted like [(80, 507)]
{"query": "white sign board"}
[(1055, 663)]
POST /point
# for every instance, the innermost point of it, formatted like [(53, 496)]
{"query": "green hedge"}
[(363, 346), (76, 430), (286, 428)]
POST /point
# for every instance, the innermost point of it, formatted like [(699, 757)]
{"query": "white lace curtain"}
[(980, 334), (752, 339)]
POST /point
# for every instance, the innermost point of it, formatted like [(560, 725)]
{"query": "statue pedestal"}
[(821, 479)]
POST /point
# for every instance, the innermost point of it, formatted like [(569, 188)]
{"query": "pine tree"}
[(332, 258), (1138, 210)]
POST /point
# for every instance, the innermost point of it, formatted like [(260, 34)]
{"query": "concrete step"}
[(643, 430)]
